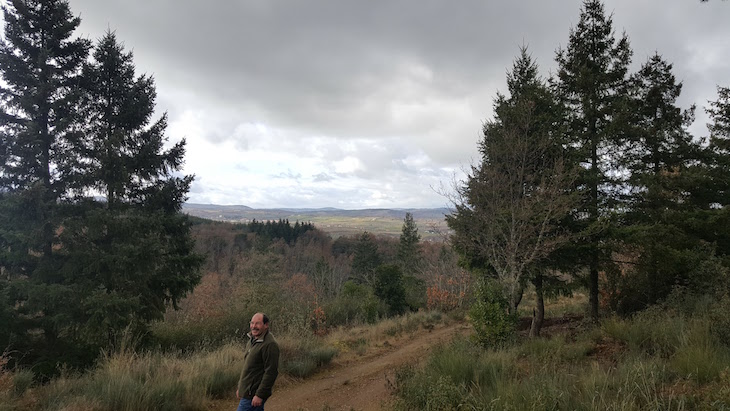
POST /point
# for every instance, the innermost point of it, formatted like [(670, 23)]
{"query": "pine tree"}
[(128, 162), (410, 254), (592, 84), (132, 254), (366, 259), (716, 229), (507, 212), (77, 271), (719, 146), (389, 288), (659, 161), (40, 64)]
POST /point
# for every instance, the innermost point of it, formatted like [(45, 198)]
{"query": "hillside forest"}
[(589, 182)]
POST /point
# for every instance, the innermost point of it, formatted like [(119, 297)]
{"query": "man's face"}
[(258, 328)]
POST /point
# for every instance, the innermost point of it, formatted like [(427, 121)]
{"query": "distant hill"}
[(337, 222)]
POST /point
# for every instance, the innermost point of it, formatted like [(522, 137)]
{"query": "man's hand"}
[(256, 401), (237, 396)]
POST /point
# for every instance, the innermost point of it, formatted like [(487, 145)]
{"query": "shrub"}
[(493, 326), (301, 357), (390, 289), (22, 380), (422, 391), (356, 304)]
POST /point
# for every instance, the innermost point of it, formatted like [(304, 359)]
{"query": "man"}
[(260, 366)]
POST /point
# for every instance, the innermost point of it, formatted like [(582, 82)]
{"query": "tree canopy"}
[(78, 269)]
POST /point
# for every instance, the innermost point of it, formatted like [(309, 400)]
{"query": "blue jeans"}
[(245, 405)]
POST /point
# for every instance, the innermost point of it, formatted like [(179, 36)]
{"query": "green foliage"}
[(22, 381), (366, 259), (508, 211), (493, 325), (719, 148), (389, 288), (664, 178), (592, 85), (415, 290), (305, 363), (274, 230), (79, 270), (661, 359), (410, 254), (667, 267), (356, 304), (37, 157)]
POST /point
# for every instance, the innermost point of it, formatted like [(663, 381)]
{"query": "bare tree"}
[(507, 213)]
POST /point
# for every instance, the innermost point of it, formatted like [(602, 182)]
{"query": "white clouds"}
[(363, 103), (282, 168)]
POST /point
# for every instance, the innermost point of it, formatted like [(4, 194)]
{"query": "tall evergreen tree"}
[(592, 84), (132, 254), (717, 229), (659, 162), (77, 271), (410, 254), (719, 146), (127, 159), (507, 212), (366, 259), (40, 64), (389, 288)]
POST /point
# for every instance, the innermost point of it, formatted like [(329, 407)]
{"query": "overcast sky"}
[(366, 103)]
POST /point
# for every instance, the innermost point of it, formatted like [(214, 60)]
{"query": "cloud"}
[(355, 103)]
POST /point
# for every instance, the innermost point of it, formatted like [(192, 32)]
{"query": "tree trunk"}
[(538, 313), (593, 284)]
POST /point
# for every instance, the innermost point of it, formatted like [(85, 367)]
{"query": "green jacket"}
[(260, 367)]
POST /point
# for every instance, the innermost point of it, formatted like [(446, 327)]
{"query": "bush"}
[(357, 304), (493, 326), (422, 391), (390, 289), (22, 380), (303, 357), (415, 292)]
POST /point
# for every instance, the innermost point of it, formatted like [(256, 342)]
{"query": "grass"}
[(360, 338), (660, 359), (187, 379), (129, 380)]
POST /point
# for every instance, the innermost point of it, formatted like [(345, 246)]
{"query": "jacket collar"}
[(257, 340)]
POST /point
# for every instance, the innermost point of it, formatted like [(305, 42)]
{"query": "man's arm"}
[(270, 355)]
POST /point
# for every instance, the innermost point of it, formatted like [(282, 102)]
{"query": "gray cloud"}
[(357, 102)]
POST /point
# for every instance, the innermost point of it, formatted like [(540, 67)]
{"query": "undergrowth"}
[(132, 379), (661, 359)]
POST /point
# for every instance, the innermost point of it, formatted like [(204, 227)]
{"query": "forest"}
[(589, 183)]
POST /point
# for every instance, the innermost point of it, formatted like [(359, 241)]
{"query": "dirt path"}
[(358, 383)]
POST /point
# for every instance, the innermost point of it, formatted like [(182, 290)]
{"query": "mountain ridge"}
[(337, 222)]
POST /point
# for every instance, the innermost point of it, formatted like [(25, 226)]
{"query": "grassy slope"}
[(662, 359), (153, 380)]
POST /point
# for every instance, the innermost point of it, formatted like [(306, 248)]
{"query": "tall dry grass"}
[(129, 379), (658, 360)]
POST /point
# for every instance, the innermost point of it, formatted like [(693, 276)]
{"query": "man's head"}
[(259, 325)]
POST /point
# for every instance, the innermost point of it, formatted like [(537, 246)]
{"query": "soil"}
[(355, 382)]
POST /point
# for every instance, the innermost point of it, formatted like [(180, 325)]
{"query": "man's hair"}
[(266, 318)]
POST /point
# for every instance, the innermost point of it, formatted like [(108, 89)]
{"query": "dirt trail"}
[(358, 382)]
